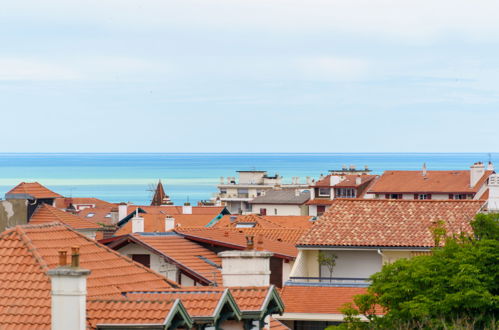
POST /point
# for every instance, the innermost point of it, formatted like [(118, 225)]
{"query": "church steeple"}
[(160, 197)]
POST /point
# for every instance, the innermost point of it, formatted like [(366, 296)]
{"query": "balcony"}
[(329, 281)]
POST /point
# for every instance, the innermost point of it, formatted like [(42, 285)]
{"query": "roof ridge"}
[(31, 248)]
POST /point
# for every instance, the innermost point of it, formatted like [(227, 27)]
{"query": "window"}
[(345, 193), (108, 215), (275, 211), (263, 211), (460, 196), (393, 196), (423, 196), (321, 209), (324, 192), (242, 193), (143, 259), (245, 225), (90, 215)]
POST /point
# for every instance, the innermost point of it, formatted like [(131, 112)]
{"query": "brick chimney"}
[(69, 293)]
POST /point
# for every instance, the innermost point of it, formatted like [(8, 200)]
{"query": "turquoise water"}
[(129, 177)]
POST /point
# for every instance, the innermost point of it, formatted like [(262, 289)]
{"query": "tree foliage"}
[(457, 284)]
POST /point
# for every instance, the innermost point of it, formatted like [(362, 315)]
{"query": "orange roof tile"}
[(138, 312), (318, 299), (45, 213), (156, 222), (374, 222), (277, 325), (289, 235), (320, 201), (191, 257), (235, 240), (64, 203), (27, 252), (198, 302), (267, 221), (432, 182), (251, 298), (176, 209), (33, 189), (98, 215)]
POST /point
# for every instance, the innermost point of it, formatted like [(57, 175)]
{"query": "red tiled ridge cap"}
[(33, 189)]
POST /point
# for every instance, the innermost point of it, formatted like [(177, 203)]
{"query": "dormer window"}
[(324, 192)]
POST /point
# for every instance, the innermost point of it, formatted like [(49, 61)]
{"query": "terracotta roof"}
[(432, 182), (175, 209), (374, 222), (189, 256), (101, 215), (318, 299), (348, 181), (267, 221), (251, 298), (137, 312), (34, 190), (235, 240), (45, 213), (156, 222), (27, 252), (199, 302), (64, 203), (289, 235)]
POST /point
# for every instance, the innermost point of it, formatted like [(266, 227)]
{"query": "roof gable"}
[(31, 190)]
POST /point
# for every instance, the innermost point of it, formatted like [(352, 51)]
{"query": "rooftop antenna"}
[(490, 157)]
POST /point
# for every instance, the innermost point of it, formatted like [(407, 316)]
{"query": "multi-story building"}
[(237, 194), (464, 184)]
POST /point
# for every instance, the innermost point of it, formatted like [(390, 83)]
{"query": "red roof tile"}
[(318, 299), (368, 222), (189, 256), (45, 213), (432, 182), (251, 298), (27, 252), (266, 221), (99, 215), (289, 235), (277, 325), (33, 189), (235, 240)]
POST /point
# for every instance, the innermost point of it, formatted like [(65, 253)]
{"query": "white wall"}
[(286, 270), (312, 210), (158, 264), (281, 209), (359, 264)]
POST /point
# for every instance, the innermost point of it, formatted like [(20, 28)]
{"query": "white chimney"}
[(477, 170), (137, 223), (424, 169), (490, 166), (187, 208), (358, 180), (169, 223), (246, 268), (69, 293), (122, 211)]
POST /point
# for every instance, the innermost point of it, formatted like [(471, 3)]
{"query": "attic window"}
[(90, 215), (108, 215), (245, 225)]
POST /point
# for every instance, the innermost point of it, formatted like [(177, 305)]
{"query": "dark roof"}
[(285, 196)]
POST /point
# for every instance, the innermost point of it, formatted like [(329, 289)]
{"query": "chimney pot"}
[(75, 257), (250, 243), (63, 261)]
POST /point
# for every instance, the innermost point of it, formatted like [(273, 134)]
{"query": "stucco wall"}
[(13, 212), (357, 264), (281, 209)]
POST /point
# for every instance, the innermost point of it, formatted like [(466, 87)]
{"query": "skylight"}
[(245, 225), (90, 215)]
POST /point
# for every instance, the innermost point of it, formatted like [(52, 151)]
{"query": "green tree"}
[(458, 284), (328, 260)]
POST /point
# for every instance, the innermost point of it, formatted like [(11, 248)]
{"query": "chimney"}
[(169, 223), (477, 170), (424, 169), (309, 181), (493, 201), (490, 166), (358, 180), (137, 223), (122, 211), (245, 268), (297, 193), (352, 168), (69, 293), (344, 167), (187, 208), (334, 180)]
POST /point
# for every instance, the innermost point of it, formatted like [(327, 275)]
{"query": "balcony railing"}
[(329, 281)]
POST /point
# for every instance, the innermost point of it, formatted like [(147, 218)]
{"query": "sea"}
[(132, 177)]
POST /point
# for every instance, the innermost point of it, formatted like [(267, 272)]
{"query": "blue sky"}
[(249, 76)]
